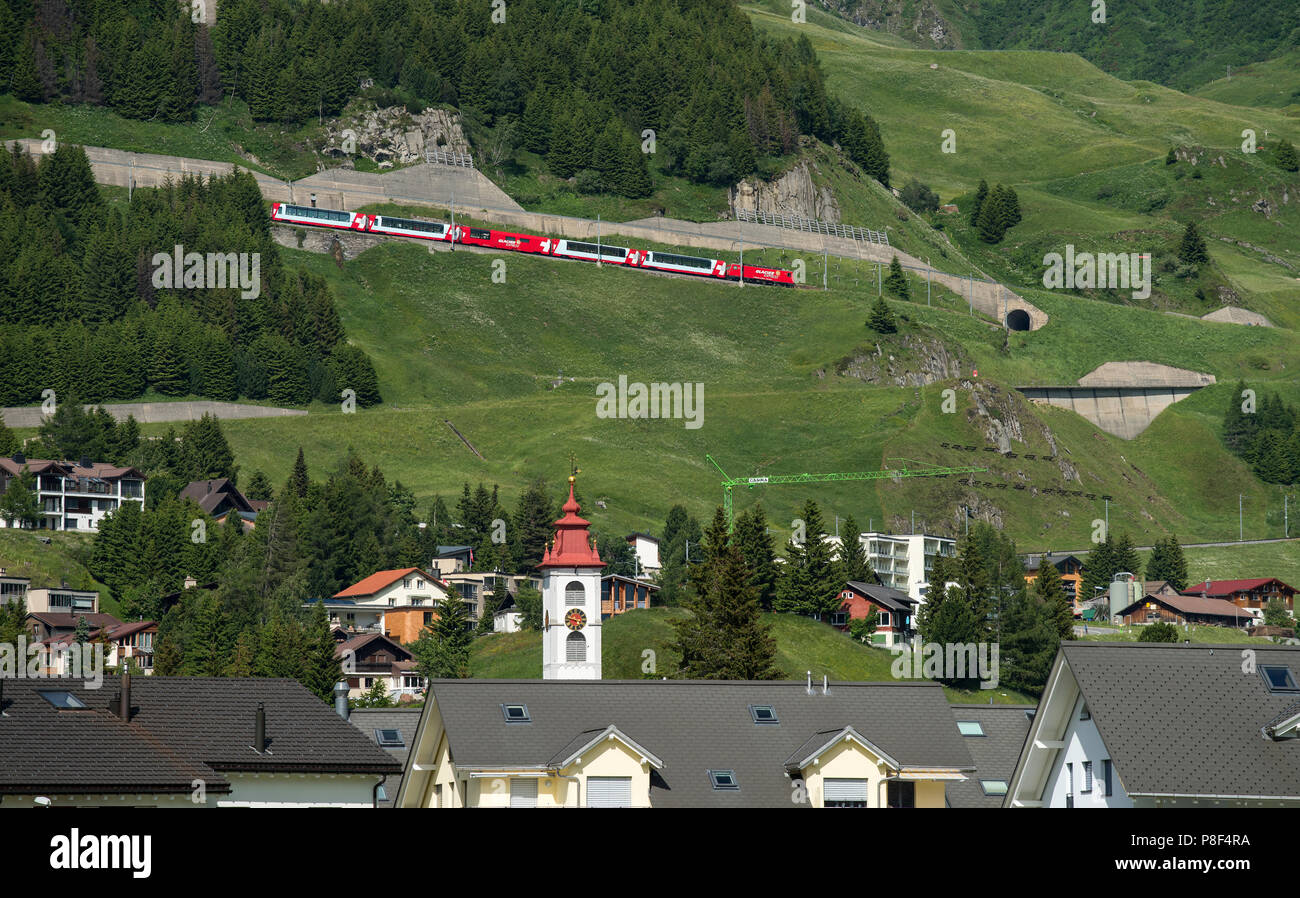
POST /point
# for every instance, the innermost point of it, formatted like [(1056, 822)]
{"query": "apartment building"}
[(904, 561), (74, 496)]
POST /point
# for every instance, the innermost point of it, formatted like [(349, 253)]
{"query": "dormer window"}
[(1278, 678)]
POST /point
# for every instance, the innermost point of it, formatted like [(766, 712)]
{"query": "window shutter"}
[(844, 790), (523, 793), (574, 594), (609, 791), (575, 648)]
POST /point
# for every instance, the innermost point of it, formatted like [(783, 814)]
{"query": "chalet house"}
[(646, 549), (994, 735), (1164, 725), (74, 496), (63, 599), (619, 594), (132, 641), (1068, 566), (683, 743), (182, 742), (1254, 593), (367, 604), (45, 625), (370, 658), (219, 499), (1182, 609), (895, 620)]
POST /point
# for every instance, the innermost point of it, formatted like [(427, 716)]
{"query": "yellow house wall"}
[(849, 760)]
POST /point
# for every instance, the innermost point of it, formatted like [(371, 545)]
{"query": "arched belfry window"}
[(575, 647), (575, 594)]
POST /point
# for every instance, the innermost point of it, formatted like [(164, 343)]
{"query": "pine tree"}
[(724, 638), (532, 526), (853, 564), (755, 545), (881, 319), (808, 583), (1191, 249), (992, 223), (298, 480), (1050, 589), (977, 206), (1286, 157), (896, 281), (321, 669)]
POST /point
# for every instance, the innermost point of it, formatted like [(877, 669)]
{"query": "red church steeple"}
[(573, 546)]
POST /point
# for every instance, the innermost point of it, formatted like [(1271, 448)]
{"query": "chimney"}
[(825, 685), (124, 697), (20, 459), (810, 686), (259, 729), (341, 699), (85, 461)]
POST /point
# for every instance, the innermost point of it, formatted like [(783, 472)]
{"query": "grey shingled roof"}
[(995, 753), (694, 726), (887, 596), (181, 728), (405, 720), (1186, 719)]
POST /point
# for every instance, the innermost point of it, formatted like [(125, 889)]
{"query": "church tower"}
[(571, 600)]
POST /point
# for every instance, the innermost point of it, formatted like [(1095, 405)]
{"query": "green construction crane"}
[(729, 482)]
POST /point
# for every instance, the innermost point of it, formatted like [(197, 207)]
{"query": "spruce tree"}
[(853, 564), (1191, 249), (881, 319), (724, 638), (298, 480), (808, 583), (977, 206), (1050, 589), (755, 544), (1286, 157), (896, 281)]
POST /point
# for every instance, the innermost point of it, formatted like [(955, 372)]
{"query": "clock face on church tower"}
[(575, 619)]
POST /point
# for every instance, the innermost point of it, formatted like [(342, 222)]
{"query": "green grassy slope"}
[(22, 554), (638, 644), (450, 344), (1274, 83)]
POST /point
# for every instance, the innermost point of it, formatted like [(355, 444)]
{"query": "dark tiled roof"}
[(995, 753), (1186, 719), (61, 620), (181, 729), (405, 721), (884, 595), (209, 495), (694, 726)]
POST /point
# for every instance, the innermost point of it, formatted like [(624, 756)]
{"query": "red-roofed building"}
[(571, 619), (387, 599), (1253, 593)]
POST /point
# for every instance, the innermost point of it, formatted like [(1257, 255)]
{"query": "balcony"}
[(87, 487)]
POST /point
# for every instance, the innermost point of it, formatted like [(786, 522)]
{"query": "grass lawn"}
[(638, 644)]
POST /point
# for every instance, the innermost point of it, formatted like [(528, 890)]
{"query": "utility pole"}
[(928, 269), (1107, 519), (597, 239), (970, 291), (453, 219), (880, 290), (826, 267), (740, 229), (1241, 527)]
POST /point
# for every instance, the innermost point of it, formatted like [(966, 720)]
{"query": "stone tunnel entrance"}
[(1018, 320)]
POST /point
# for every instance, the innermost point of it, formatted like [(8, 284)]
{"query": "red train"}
[(527, 243)]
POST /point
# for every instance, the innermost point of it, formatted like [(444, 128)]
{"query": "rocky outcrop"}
[(794, 193), (393, 136), (907, 361), (921, 21)]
